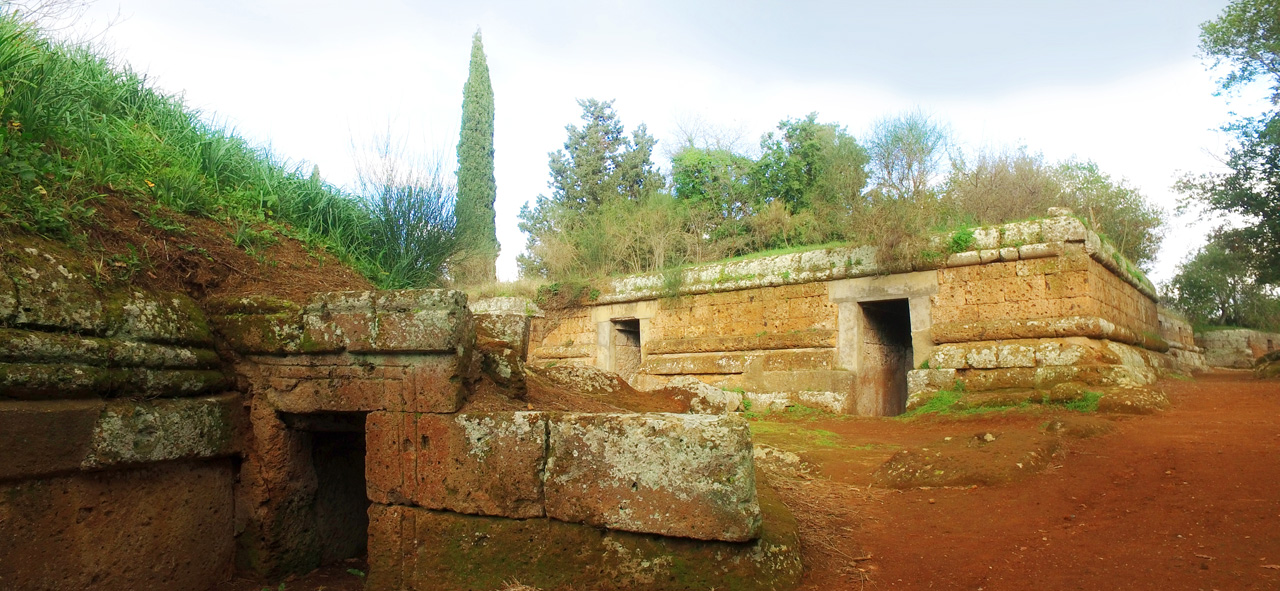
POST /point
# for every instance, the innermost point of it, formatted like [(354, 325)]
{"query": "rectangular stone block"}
[(802, 339), (47, 381), (361, 383), (675, 475), (698, 363), (480, 464), (415, 549), (139, 432), (162, 527), (45, 437), (799, 360), (397, 321)]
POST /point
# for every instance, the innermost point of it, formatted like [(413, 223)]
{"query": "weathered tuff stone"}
[(45, 437), (1268, 366), (58, 436), (360, 383), (43, 381), (699, 363), (1238, 348), (501, 344), (705, 398), (400, 321), (418, 549), (46, 347), (480, 464), (800, 339), (675, 475), (47, 290), (133, 432), (1039, 328), (165, 527), (424, 321)]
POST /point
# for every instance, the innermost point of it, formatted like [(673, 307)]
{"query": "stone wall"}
[(1236, 348), (116, 436), (1185, 354), (819, 328), (552, 498)]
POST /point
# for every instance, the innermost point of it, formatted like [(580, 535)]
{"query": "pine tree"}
[(476, 186)]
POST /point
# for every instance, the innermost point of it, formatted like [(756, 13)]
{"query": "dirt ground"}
[(1185, 499)]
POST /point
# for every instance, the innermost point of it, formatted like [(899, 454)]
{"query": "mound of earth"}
[(165, 251), (586, 389), (984, 458)]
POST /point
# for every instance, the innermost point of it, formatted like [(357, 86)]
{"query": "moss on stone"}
[(469, 552)]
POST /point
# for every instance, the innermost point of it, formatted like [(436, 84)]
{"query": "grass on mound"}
[(79, 125)]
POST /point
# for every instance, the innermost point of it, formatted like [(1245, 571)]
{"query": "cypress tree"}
[(476, 186)]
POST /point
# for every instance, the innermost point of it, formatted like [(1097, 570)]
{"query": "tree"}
[(907, 153), (1014, 185), (599, 166), (717, 183), (1218, 285), (1114, 209), (477, 188), (1246, 37), (810, 161), (996, 187)]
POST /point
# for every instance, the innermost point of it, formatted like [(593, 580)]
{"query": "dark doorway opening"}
[(340, 509), (886, 356), (626, 347)]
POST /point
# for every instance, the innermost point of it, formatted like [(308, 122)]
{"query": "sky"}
[(1114, 81)]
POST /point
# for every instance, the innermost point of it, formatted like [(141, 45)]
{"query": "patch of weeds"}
[(940, 404), (931, 256), (196, 249), (786, 275), (124, 267), (355, 571), (252, 240), (962, 240), (790, 435), (672, 281), (924, 364), (593, 295), (1086, 403), (801, 411), (161, 222)]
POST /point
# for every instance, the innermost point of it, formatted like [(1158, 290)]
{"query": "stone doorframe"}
[(604, 316), (917, 288)]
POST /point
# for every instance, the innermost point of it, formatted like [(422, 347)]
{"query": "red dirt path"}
[(1185, 499)]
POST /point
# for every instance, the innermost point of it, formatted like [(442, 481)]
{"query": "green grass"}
[(1086, 403), (791, 436), (940, 404), (962, 240), (78, 125), (946, 402)]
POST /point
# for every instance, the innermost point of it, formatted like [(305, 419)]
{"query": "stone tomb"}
[(1037, 311), (443, 489)]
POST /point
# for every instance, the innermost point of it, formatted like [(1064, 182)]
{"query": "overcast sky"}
[(1115, 81)]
